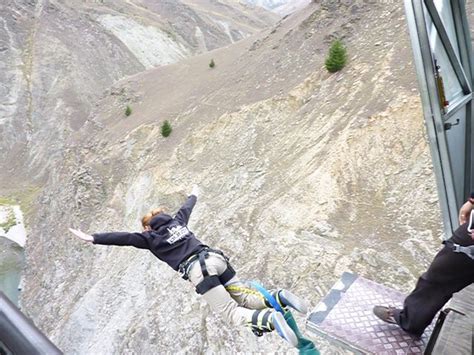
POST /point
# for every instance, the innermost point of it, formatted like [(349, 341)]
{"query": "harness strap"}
[(260, 322), (207, 284), (235, 288), (202, 261), (209, 281), (255, 318), (265, 319), (227, 275), (185, 265), (469, 250)]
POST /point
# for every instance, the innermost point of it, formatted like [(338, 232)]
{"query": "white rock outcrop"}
[(11, 224)]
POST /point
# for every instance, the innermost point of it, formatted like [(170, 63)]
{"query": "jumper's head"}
[(146, 219)]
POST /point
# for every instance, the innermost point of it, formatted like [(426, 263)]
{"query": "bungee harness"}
[(469, 250), (209, 281)]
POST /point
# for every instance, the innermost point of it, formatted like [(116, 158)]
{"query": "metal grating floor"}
[(345, 315)]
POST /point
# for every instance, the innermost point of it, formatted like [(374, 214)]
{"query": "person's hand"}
[(195, 190), (85, 237), (464, 212)]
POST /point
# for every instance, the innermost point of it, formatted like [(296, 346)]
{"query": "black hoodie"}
[(170, 240)]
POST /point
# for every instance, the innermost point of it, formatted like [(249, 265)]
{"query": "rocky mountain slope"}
[(281, 7), (304, 175), (57, 57)]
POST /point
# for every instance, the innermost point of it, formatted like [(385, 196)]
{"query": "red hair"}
[(146, 219)]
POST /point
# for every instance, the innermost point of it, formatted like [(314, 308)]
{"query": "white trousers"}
[(234, 300)]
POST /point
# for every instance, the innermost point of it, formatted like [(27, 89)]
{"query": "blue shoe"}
[(287, 299), (283, 329)]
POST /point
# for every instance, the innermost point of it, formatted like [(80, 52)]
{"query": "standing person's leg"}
[(448, 273)]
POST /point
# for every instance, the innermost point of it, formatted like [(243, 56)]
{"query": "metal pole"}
[(464, 35), (432, 113), (19, 335), (446, 42)]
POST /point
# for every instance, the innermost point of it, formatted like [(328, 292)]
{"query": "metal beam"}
[(464, 36), (443, 35), (456, 104), (19, 335), (432, 113)]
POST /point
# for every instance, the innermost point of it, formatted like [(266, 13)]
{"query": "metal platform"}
[(345, 315)]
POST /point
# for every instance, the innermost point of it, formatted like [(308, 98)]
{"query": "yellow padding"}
[(249, 291)]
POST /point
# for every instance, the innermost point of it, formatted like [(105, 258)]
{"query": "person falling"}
[(209, 270)]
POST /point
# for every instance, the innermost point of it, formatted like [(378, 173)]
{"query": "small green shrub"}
[(5, 201), (337, 57), (10, 222), (212, 64), (166, 129), (128, 111)]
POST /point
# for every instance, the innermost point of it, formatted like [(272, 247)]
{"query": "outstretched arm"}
[(185, 211), (80, 234), (137, 240)]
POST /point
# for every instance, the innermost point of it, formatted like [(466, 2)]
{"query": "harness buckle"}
[(185, 265), (182, 271), (469, 250), (471, 253), (457, 248)]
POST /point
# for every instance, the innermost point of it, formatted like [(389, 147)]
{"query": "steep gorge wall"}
[(59, 57), (303, 174)]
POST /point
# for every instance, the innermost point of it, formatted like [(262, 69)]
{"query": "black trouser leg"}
[(448, 273)]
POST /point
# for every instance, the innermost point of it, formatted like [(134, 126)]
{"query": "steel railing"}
[(18, 334)]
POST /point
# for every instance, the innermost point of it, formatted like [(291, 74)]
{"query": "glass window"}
[(452, 87)]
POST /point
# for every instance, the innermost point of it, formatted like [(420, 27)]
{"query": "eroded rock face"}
[(59, 57), (282, 7), (303, 174)]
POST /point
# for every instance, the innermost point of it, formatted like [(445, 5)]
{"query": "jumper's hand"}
[(85, 237), (195, 191)]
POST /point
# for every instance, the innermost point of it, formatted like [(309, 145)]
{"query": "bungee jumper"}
[(209, 270)]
